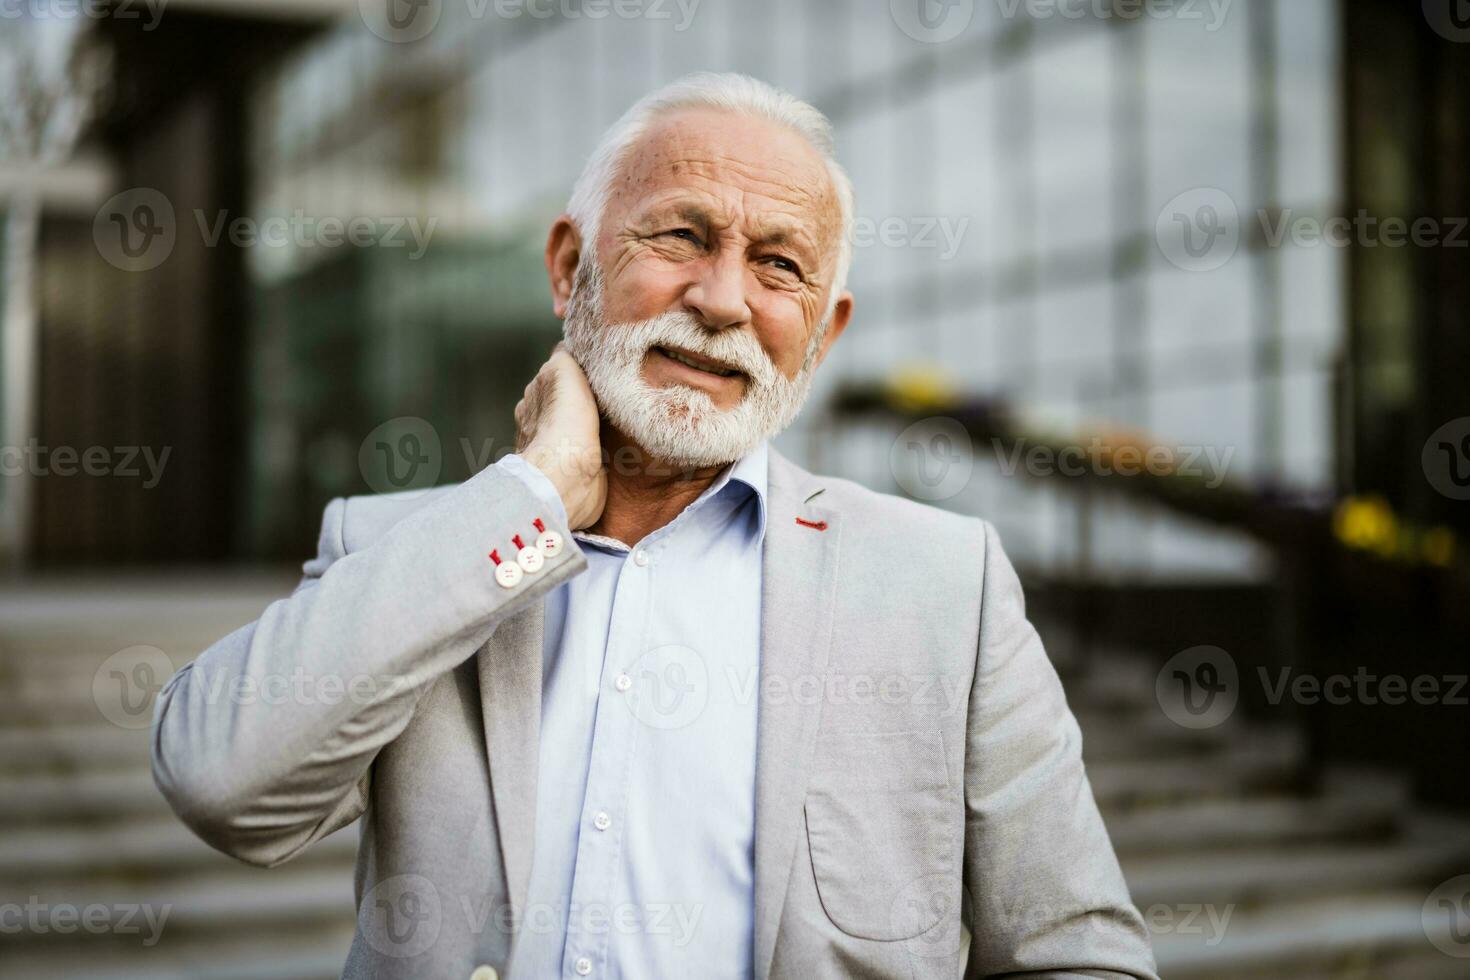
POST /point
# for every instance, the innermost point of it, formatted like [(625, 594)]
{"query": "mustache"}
[(739, 350)]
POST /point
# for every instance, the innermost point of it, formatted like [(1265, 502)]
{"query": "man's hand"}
[(557, 427)]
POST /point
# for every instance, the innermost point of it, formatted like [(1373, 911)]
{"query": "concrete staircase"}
[(1240, 869), (1241, 872)]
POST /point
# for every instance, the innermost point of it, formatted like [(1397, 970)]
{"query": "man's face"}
[(733, 219), (719, 246)]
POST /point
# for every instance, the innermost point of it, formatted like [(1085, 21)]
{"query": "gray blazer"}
[(922, 809)]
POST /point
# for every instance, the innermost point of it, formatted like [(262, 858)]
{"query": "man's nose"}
[(717, 296)]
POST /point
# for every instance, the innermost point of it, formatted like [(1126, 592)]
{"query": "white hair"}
[(730, 92)]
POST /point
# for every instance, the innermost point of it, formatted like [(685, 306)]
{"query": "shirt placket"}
[(592, 914)]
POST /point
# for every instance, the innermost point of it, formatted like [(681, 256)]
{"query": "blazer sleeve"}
[(1046, 895), (263, 745)]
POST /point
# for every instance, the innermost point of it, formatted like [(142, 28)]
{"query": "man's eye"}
[(784, 264), (687, 234)]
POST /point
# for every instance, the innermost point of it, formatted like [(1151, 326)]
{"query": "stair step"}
[(158, 847), (1379, 935), (234, 901), (53, 799), (1221, 824), (1250, 765), (1248, 877)]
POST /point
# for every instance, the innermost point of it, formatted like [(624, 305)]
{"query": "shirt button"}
[(640, 558), (602, 821), (583, 966), (485, 973), (622, 682)]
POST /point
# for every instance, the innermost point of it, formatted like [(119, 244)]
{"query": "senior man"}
[(647, 699)]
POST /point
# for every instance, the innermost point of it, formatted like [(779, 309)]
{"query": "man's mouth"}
[(699, 363)]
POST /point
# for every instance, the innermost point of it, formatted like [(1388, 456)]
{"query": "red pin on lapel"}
[(814, 525)]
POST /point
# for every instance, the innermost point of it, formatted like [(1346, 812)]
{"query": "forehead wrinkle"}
[(675, 159)]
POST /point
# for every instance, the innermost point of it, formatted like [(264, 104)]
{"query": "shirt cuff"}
[(537, 482)]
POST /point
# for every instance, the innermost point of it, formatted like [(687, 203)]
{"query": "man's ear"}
[(563, 252), (841, 314)]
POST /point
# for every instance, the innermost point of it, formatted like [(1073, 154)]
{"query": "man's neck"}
[(644, 493)]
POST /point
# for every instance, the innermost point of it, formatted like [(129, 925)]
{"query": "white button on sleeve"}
[(508, 574), (530, 559), (549, 544)]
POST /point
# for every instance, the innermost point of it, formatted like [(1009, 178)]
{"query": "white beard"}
[(679, 424)]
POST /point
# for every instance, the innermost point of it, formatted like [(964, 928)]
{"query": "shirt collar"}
[(752, 471)]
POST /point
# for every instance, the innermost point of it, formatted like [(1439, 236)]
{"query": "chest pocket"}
[(884, 825)]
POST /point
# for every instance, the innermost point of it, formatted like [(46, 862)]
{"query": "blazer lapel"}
[(510, 700), (798, 580)]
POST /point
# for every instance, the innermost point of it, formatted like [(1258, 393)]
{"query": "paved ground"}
[(1241, 873)]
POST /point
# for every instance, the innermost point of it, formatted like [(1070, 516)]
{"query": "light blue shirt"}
[(645, 807)]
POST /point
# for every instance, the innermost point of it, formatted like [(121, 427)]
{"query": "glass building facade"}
[(1012, 163)]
